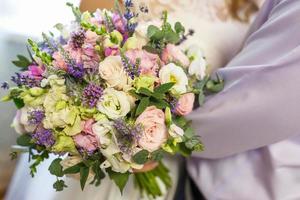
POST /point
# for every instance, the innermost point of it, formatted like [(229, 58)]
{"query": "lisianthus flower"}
[(175, 74), (114, 104)]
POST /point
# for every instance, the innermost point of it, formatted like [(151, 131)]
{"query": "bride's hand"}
[(147, 167)]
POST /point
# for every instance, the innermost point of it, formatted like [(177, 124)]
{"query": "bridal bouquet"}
[(108, 97)]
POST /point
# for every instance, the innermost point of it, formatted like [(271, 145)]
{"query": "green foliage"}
[(24, 140), (99, 174), (76, 11), (159, 37), (74, 169), (45, 57), (84, 174), (164, 88), (55, 168), (142, 106), (19, 102), (59, 185), (22, 62), (215, 86), (141, 157), (147, 181), (38, 158), (120, 179), (157, 155)]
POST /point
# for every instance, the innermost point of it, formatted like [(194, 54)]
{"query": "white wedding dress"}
[(216, 33)]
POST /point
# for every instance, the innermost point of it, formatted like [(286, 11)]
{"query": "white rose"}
[(114, 104), (112, 71), (198, 65), (174, 73)]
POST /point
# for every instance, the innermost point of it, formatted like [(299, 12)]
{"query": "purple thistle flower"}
[(44, 137), (76, 70), (77, 39), (127, 135), (25, 80), (91, 95), (5, 85), (36, 117)]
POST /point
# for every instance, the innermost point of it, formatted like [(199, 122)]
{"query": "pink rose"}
[(173, 53), (155, 130), (185, 104), (149, 62), (87, 139), (59, 61)]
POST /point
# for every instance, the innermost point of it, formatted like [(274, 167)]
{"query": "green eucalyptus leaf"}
[(144, 103), (164, 87), (84, 173), (120, 179), (179, 28), (145, 91), (19, 103), (55, 168), (74, 169), (141, 157), (201, 98), (152, 30), (24, 140), (157, 155), (59, 185)]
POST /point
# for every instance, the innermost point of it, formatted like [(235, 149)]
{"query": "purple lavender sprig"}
[(36, 117), (127, 135), (91, 95), (76, 70), (44, 137), (25, 80), (128, 15), (5, 85), (133, 70)]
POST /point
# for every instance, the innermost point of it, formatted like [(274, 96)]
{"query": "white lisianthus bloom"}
[(113, 160), (102, 128), (114, 104), (176, 132), (174, 73), (198, 65), (21, 121)]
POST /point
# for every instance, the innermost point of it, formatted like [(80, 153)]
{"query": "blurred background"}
[(20, 20)]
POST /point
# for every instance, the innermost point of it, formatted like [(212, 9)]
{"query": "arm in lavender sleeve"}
[(260, 104)]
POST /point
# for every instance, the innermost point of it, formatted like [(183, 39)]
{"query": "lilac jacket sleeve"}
[(260, 104)]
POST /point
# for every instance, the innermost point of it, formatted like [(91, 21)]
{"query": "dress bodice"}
[(216, 32)]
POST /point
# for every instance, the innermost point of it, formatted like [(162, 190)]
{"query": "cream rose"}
[(112, 71), (155, 130), (174, 73), (114, 104), (185, 104)]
